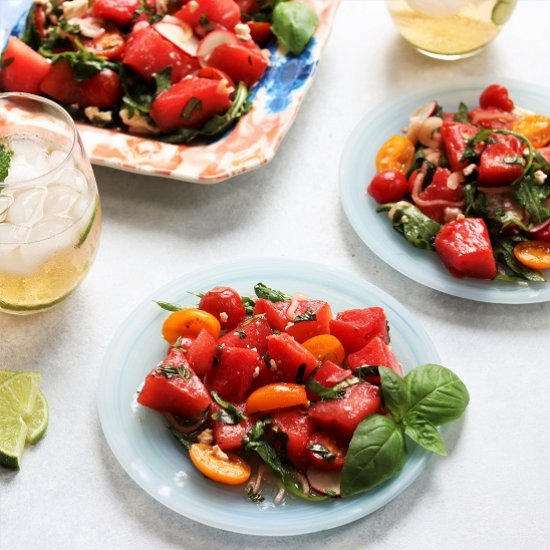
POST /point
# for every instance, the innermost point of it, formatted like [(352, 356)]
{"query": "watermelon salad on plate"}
[(471, 184), (276, 387)]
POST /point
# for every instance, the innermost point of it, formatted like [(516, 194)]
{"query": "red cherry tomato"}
[(388, 186), (260, 31), (102, 90), (225, 304), (496, 96)]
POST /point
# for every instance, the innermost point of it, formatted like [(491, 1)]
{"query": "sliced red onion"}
[(324, 482), (417, 117), (428, 133), (182, 426)]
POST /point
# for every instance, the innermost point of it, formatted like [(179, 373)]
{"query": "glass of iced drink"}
[(50, 216), (450, 29)]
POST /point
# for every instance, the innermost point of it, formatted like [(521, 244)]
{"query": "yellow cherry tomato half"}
[(276, 396), (533, 254), (219, 466), (397, 153), (536, 128), (189, 322), (326, 348)]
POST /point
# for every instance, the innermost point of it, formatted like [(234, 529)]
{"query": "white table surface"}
[(492, 491)]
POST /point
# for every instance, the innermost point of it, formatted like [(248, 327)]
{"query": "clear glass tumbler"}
[(50, 215), (450, 29)]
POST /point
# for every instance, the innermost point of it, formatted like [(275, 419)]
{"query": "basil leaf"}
[(308, 315), (194, 104), (435, 393), (163, 79), (248, 304), (321, 451), (376, 453), (415, 226), (393, 392), (186, 443), (168, 306), (366, 371), (294, 24), (263, 291), (425, 434)]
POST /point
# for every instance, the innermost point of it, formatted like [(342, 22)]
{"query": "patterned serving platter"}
[(252, 143)]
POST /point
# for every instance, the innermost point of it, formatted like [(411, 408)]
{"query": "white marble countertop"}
[(492, 491)]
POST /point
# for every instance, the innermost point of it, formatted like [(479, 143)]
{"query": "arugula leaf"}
[(5, 160), (510, 270), (228, 414), (415, 226), (531, 195), (336, 392), (470, 190), (294, 23), (163, 79), (376, 453), (462, 114), (263, 291)]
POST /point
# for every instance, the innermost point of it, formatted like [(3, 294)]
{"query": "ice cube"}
[(59, 200), (5, 202), (27, 150), (80, 206), (73, 178), (27, 207), (48, 227), (11, 236), (19, 172), (57, 157)]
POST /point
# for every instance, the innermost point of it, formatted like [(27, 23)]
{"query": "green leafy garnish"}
[(508, 267), (532, 196), (228, 413), (308, 315), (248, 304), (5, 160), (294, 23), (172, 371), (263, 291), (169, 306), (322, 451), (462, 114), (336, 392), (414, 225)]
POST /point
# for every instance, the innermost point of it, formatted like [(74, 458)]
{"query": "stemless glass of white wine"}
[(50, 215), (450, 29)]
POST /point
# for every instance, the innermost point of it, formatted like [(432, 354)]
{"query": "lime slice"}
[(18, 394), (13, 431), (37, 422), (86, 232), (502, 11), (5, 374)]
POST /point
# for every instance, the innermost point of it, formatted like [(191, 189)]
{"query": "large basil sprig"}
[(427, 396)]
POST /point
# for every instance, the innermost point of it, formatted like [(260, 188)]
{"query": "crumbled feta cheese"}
[(242, 31), (540, 177), (193, 6), (75, 8), (95, 115), (137, 123), (256, 372), (206, 437), (405, 219), (272, 364), (219, 453), (526, 152), (288, 325), (89, 26), (223, 316), (469, 169)]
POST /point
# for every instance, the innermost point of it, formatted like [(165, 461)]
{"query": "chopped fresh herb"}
[(163, 80), (366, 371), (171, 371), (248, 304), (6, 62), (203, 20), (5, 160), (242, 334), (300, 373), (253, 497), (194, 104), (513, 159), (168, 306), (228, 413), (462, 114), (322, 451), (308, 315), (336, 392), (263, 291)]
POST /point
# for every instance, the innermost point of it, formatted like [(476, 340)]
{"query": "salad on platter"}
[(175, 69), (276, 393), (472, 186)]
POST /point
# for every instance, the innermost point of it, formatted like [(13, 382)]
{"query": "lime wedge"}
[(18, 394), (37, 422), (13, 431), (502, 11)]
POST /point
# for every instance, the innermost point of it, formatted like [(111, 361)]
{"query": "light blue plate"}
[(146, 450), (357, 169)]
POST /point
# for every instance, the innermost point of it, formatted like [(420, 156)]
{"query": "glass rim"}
[(64, 114)]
